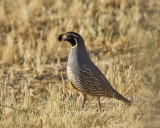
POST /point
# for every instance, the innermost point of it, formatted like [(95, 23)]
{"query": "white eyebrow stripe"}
[(74, 35)]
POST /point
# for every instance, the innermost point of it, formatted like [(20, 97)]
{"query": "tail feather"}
[(120, 97), (115, 94)]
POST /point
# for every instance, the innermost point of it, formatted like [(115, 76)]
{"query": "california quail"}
[(83, 73)]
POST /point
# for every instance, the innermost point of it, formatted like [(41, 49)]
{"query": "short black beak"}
[(67, 39)]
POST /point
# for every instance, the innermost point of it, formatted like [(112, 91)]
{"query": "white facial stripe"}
[(76, 42)]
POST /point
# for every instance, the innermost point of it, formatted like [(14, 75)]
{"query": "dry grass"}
[(123, 39)]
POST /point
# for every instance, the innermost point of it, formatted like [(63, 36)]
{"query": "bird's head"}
[(73, 38)]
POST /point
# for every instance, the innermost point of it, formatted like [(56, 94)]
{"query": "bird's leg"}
[(99, 103), (84, 100)]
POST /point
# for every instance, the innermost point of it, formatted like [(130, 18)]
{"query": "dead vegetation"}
[(123, 39)]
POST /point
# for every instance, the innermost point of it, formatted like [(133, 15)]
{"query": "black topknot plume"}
[(60, 37)]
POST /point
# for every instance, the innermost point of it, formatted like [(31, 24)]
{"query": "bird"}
[(84, 75)]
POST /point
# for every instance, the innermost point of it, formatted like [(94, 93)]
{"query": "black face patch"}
[(71, 40)]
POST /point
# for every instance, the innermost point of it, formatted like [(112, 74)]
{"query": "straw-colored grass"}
[(123, 40)]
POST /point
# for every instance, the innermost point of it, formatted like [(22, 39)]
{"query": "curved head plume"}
[(72, 37)]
